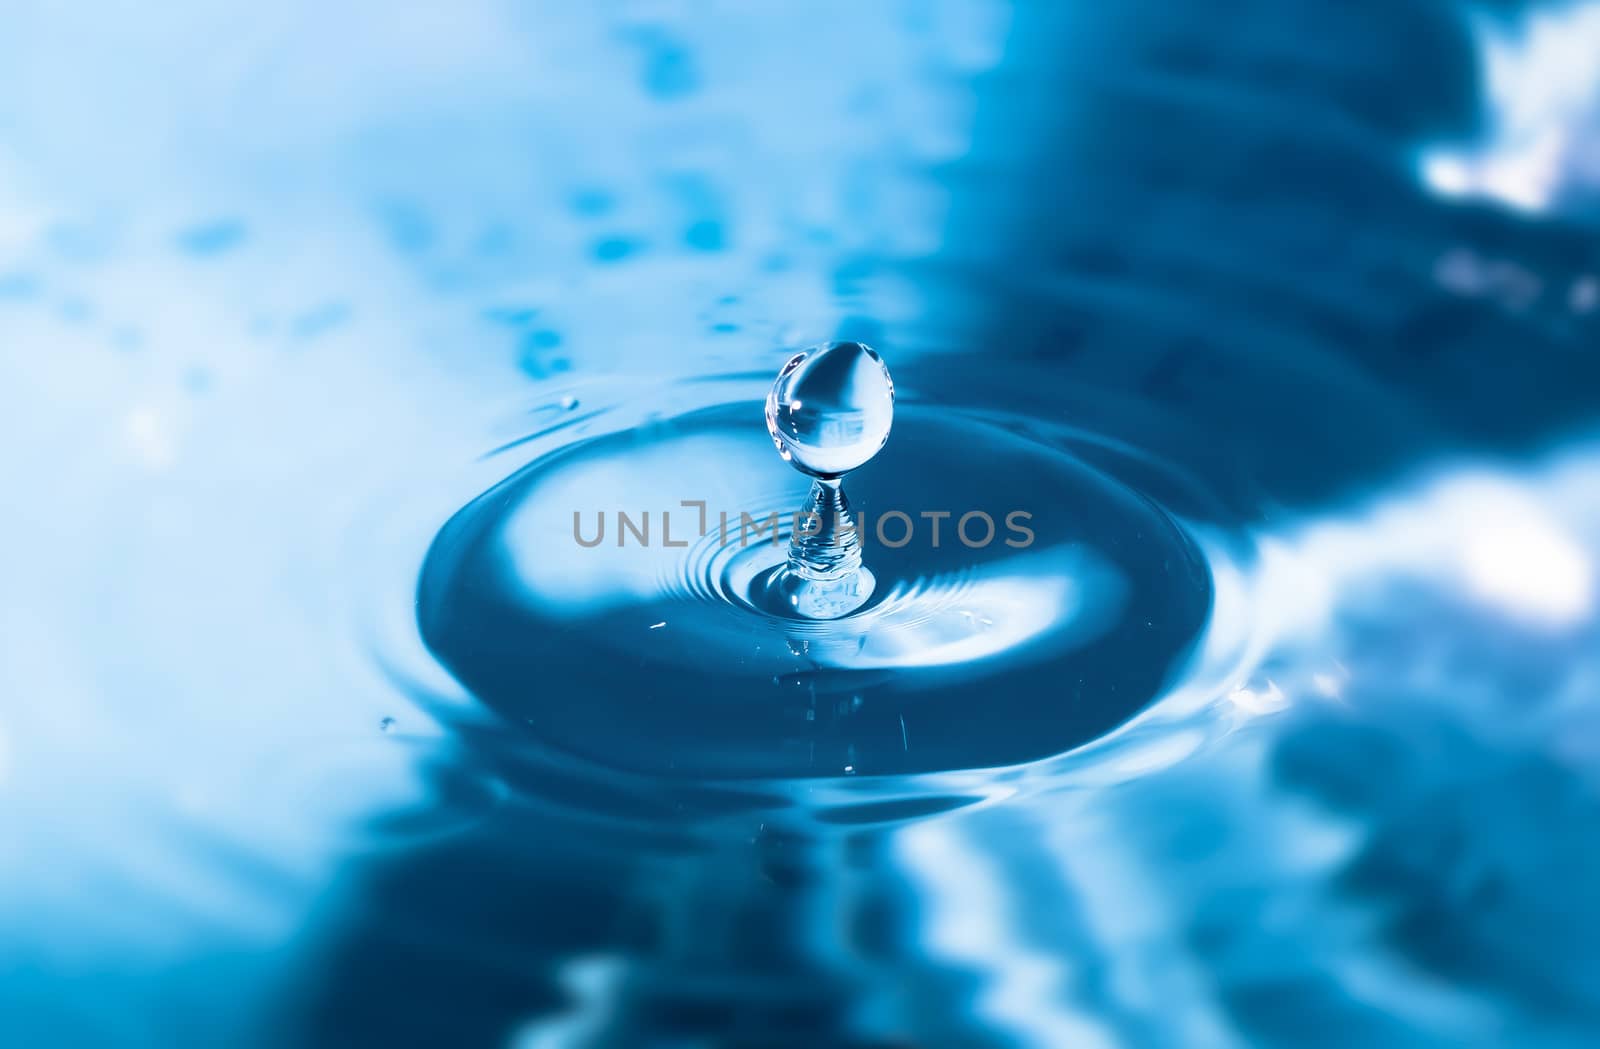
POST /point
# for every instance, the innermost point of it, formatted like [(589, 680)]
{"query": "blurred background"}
[(284, 287)]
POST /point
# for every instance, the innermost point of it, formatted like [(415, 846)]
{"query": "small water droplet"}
[(386, 725), (568, 403)]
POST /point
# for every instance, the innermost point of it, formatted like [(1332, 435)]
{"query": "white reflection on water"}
[(1510, 543), (1514, 543), (968, 905), (1542, 90)]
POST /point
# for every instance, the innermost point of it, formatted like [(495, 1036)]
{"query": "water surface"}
[(1286, 314)]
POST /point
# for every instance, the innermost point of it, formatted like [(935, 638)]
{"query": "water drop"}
[(828, 413), (568, 403), (386, 725), (831, 408)]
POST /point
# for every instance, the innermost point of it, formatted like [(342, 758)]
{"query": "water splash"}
[(829, 412), (546, 605)]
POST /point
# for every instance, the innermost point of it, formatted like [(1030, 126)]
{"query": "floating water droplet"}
[(829, 412), (386, 725), (831, 408), (568, 403)]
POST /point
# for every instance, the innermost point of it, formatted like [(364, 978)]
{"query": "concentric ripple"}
[(651, 645)]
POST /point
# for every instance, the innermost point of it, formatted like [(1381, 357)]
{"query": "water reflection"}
[(1540, 83)]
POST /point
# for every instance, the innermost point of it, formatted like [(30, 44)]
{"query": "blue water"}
[(315, 324)]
